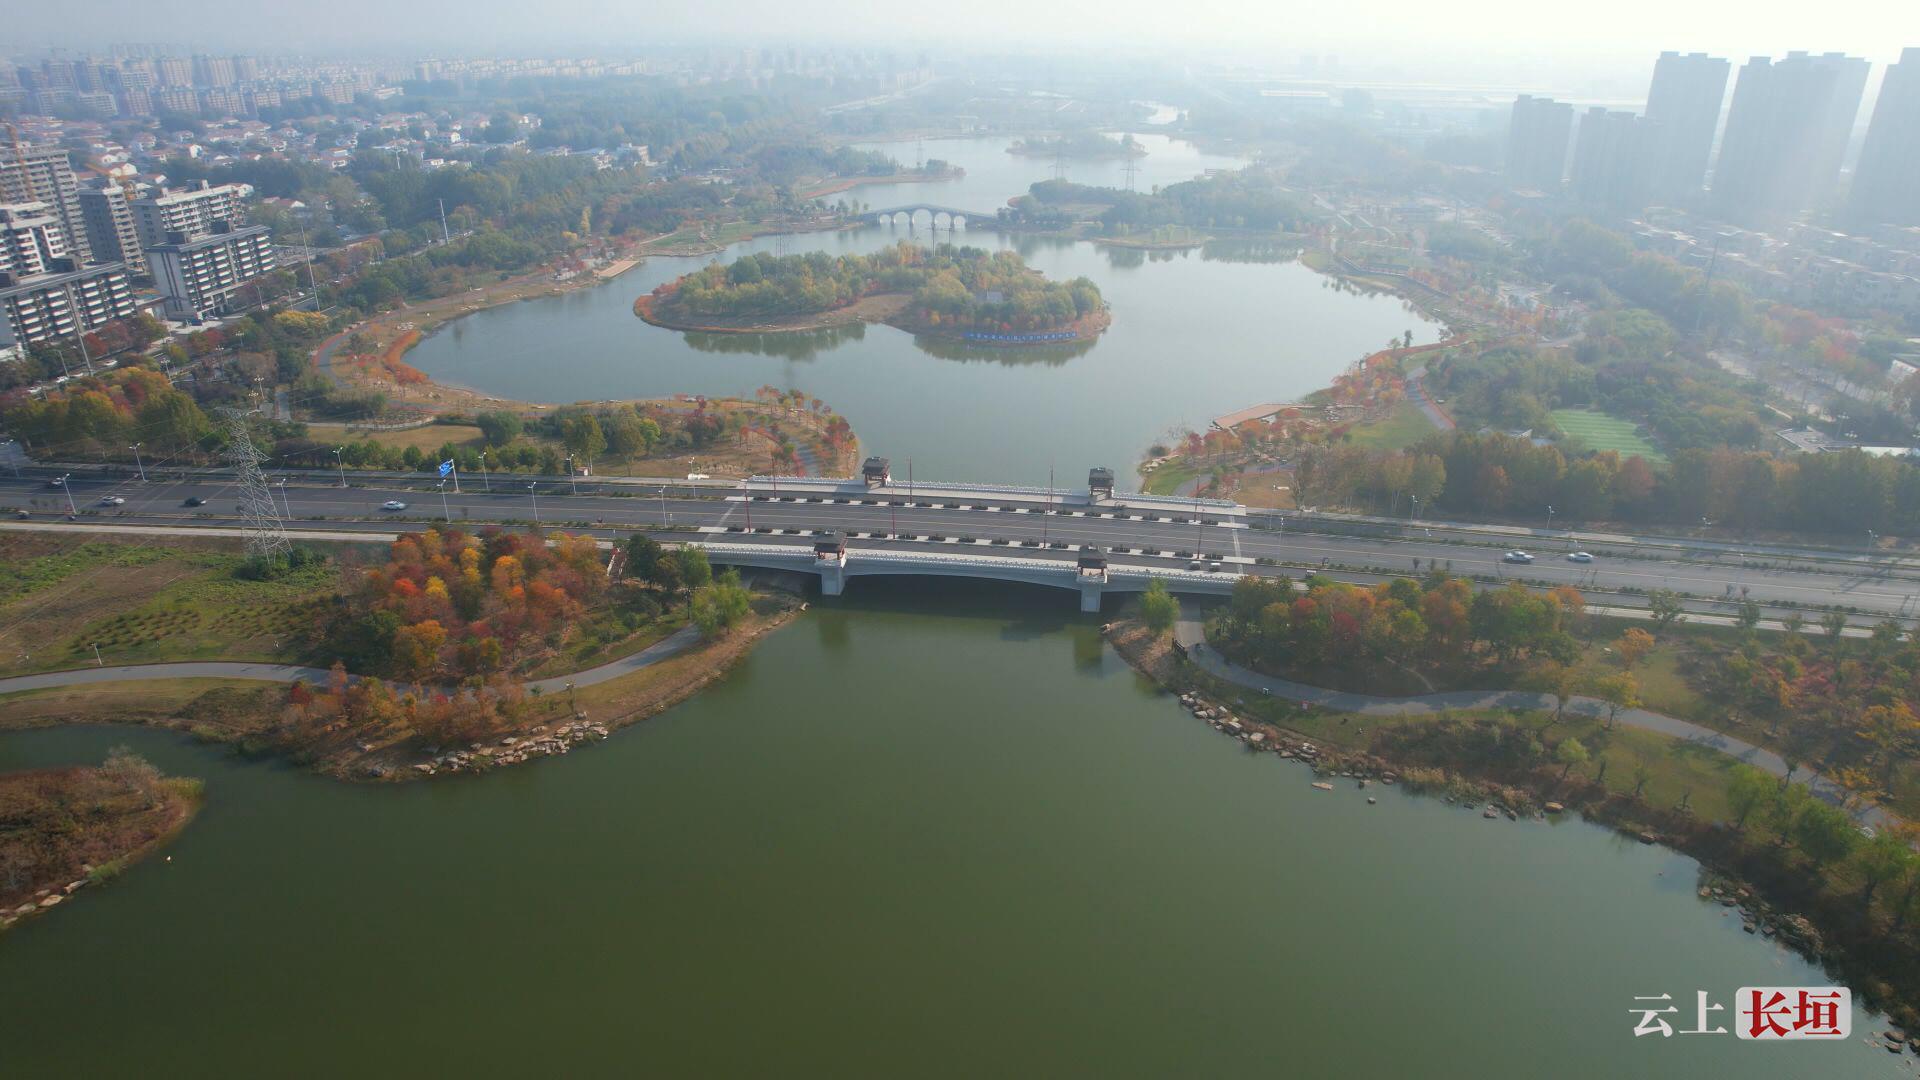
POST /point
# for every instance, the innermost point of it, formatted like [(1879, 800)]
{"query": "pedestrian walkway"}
[(670, 646), (1191, 634)]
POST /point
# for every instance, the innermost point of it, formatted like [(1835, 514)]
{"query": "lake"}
[(891, 844), (1193, 336)]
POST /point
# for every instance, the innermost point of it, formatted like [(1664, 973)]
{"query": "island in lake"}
[(956, 293), (1080, 145)]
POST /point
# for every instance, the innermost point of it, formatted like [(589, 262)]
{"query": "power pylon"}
[(266, 533)]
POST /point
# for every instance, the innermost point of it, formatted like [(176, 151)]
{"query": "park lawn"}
[(132, 701), (1588, 430), (430, 437), (1403, 426), (145, 603), (1167, 479)]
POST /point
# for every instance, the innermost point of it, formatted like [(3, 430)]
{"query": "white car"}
[(1580, 556), (1516, 555), (698, 476), (393, 504), (112, 500)]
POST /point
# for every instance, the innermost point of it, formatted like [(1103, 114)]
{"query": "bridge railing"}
[(857, 556)]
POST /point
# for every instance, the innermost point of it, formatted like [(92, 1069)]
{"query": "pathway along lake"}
[(888, 844), (1193, 336)]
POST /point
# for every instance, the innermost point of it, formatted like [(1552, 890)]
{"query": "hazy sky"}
[(1400, 32)]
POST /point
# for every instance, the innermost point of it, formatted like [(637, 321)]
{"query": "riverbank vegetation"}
[(1799, 867), (1251, 199), (64, 829), (1078, 145), (949, 290)]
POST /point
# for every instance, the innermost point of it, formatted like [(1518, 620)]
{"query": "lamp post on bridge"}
[(137, 463), (533, 490)]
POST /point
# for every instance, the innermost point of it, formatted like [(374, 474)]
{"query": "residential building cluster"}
[(133, 86), (1786, 136), (72, 247)]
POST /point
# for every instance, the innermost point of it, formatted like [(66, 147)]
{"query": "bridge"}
[(939, 217), (1090, 575), (879, 526)]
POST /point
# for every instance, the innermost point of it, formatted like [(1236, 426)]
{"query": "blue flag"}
[(446, 467)]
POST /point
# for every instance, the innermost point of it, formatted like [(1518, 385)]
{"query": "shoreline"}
[(183, 799), (850, 183), (1765, 901), (556, 721), (880, 308)]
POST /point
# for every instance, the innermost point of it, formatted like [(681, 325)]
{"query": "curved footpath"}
[(1188, 632), (1191, 635), (672, 645)]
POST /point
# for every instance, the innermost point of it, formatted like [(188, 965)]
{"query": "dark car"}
[(195, 500)]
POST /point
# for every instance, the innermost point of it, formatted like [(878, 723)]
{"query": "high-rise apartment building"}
[(44, 174), (44, 292), (194, 210), (1612, 159), (108, 213), (177, 99), (1537, 142), (30, 239), (174, 70), (213, 71), (1787, 132), (1683, 107), (201, 277), (1886, 181)]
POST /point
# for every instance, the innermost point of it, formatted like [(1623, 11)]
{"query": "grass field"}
[(143, 603), (1589, 430), (1402, 427), (430, 437)]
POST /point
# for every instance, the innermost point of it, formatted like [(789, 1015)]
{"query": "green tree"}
[(500, 428), (1665, 606), (1619, 689), (1824, 834), (643, 552), (581, 434), (1158, 607), (695, 570), (1884, 858), (1749, 789), (1748, 617), (1569, 753)]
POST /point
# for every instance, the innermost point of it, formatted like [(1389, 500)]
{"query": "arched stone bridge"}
[(1090, 583), (940, 217)]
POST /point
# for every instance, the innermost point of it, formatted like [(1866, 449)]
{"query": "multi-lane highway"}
[(1144, 532)]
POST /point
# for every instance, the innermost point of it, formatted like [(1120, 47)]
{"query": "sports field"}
[(1588, 430)]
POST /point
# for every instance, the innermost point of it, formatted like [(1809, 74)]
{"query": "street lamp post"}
[(340, 460), (571, 486), (445, 513), (137, 463), (663, 507), (66, 485), (484, 478), (283, 498), (1549, 517), (533, 490)]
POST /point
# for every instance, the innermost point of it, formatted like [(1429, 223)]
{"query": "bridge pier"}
[(833, 578), (1090, 593)]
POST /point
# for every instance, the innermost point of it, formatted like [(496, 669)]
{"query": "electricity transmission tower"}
[(1130, 169), (266, 534)]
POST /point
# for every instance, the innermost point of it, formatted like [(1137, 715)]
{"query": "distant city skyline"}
[(1505, 35)]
